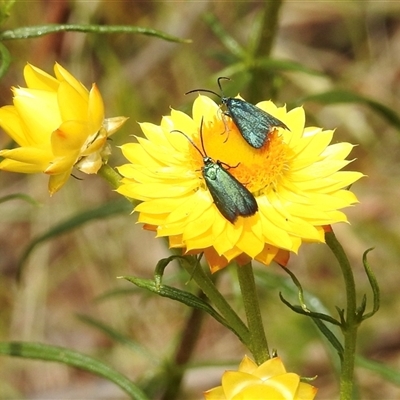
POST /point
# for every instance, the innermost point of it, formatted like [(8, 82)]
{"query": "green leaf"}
[(116, 293), (163, 263), (186, 298), (386, 372), (227, 40), (267, 64), (19, 196), (5, 9), (374, 286), (271, 64), (29, 32), (303, 308), (118, 337), (74, 359), (312, 314), (345, 96), (5, 60), (330, 336), (271, 281), (76, 221)]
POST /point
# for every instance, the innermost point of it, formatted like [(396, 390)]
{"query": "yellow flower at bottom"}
[(294, 178), (58, 125), (269, 381)]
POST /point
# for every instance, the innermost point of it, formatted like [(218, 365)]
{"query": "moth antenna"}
[(191, 141), (219, 83), (201, 137), (204, 90)]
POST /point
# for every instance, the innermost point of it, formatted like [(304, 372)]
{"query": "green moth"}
[(230, 196), (253, 123)]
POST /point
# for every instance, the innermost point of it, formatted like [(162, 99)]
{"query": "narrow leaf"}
[(345, 96), (308, 313), (186, 298), (374, 286), (299, 288), (226, 39), (163, 263), (76, 221), (19, 196), (5, 60), (29, 32), (333, 340), (118, 337), (74, 359), (386, 372), (267, 64), (271, 64), (5, 9)]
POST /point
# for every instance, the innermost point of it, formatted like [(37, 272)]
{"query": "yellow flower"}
[(294, 178), (58, 124), (269, 381)]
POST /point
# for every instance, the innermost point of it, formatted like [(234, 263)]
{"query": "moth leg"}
[(225, 114), (229, 166)]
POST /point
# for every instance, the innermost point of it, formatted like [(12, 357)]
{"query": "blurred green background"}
[(351, 46)]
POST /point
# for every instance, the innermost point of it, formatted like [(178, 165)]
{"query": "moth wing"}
[(253, 123), (245, 201), (230, 196)]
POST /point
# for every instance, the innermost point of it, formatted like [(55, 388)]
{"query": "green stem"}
[(110, 175), (262, 81), (351, 323), (269, 28), (218, 301), (259, 344), (184, 351)]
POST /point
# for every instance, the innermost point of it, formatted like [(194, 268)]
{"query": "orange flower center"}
[(258, 169)]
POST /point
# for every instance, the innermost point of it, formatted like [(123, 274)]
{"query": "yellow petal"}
[(251, 240), (61, 165), (286, 385), (39, 112), (70, 137), (272, 367), (337, 151), (57, 181), (33, 156), (247, 365), (267, 255), (64, 76), (234, 382), (95, 109), (154, 190), (17, 166), (200, 225), (154, 220), (262, 392), (204, 109), (73, 106), (305, 392), (161, 206), (215, 394), (35, 78), (14, 126)]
